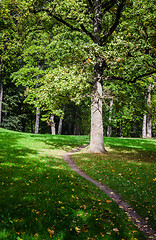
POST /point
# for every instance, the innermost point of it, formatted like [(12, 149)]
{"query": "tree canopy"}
[(70, 51)]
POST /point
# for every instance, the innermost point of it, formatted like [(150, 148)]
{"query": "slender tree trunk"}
[(76, 130), (37, 120), (120, 127), (149, 126), (60, 126), (60, 123), (144, 126), (149, 117), (52, 124), (109, 128), (1, 98), (109, 131)]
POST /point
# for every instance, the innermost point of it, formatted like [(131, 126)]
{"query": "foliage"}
[(49, 47), (76, 119), (15, 112), (9, 44), (48, 66)]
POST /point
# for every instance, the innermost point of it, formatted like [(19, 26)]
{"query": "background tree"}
[(8, 49)]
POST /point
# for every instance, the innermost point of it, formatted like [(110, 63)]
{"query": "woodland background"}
[(46, 69)]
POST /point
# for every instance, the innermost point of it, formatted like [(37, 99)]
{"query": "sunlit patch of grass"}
[(42, 198), (130, 173), (132, 143)]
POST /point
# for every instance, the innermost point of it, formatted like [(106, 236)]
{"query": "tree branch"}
[(129, 81), (114, 78), (87, 32), (90, 3), (61, 20), (143, 75), (108, 6), (116, 23)]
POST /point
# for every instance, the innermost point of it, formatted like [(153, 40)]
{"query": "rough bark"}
[(144, 126), (149, 117), (52, 124), (1, 98), (96, 141), (109, 128), (37, 120)]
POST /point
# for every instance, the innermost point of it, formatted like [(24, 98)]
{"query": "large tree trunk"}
[(109, 128), (149, 117), (144, 126), (1, 98), (37, 120), (96, 140), (52, 124)]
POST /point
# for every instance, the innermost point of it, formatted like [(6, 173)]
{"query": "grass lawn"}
[(42, 198), (129, 168)]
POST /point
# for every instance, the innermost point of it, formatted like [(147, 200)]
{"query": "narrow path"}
[(139, 222)]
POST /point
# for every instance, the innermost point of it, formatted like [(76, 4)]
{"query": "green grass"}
[(129, 168), (134, 143), (42, 198)]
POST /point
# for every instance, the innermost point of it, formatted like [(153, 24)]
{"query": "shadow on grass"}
[(64, 142), (41, 198)]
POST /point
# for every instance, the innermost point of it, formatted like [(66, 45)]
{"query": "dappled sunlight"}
[(128, 172), (41, 197), (136, 143), (52, 152)]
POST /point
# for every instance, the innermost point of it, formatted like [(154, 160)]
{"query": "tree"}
[(84, 37), (149, 120), (9, 47), (97, 20), (34, 66), (131, 54)]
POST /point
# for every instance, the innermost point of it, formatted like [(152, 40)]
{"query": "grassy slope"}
[(134, 143), (41, 198), (128, 168)]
